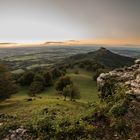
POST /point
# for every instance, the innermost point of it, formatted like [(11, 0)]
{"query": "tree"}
[(75, 93), (76, 71), (7, 84), (48, 79), (35, 88), (39, 78), (98, 72), (66, 91), (71, 91), (62, 83), (56, 73), (27, 78)]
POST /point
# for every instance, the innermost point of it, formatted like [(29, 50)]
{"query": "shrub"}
[(39, 78), (26, 79), (48, 79), (75, 93), (122, 128), (56, 73), (76, 71), (98, 72), (44, 129), (7, 85), (35, 88), (108, 89), (119, 109), (62, 83), (71, 91)]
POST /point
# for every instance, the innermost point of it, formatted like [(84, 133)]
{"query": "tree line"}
[(36, 82)]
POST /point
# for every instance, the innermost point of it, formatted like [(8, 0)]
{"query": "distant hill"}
[(104, 57)]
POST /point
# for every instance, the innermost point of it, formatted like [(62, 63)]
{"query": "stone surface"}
[(129, 76), (137, 61), (18, 134)]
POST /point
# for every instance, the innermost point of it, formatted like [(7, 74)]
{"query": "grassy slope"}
[(29, 111), (87, 86)]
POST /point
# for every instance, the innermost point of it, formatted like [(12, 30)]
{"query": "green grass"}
[(27, 111), (23, 58), (87, 86), (18, 71)]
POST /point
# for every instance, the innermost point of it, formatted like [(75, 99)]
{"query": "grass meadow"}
[(28, 111)]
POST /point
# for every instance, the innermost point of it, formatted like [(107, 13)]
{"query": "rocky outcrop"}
[(18, 134), (129, 76)]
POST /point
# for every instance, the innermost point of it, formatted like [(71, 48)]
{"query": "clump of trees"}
[(26, 78), (37, 81), (71, 91), (65, 87), (48, 77), (7, 84), (37, 86), (90, 65), (62, 83), (98, 72), (76, 71)]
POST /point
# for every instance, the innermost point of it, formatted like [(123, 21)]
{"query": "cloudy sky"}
[(59, 20)]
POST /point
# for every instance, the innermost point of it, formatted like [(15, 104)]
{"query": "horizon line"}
[(106, 42)]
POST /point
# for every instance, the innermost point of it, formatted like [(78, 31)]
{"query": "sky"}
[(94, 21)]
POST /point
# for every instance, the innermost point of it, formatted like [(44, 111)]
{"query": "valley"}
[(18, 59), (69, 69), (56, 92)]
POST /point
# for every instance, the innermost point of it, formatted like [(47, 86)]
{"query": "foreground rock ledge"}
[(129, 76)]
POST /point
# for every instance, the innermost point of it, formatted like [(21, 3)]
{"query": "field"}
[(48, 116), (28, 111), (34, 57)]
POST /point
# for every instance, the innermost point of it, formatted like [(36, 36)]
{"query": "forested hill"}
[(104, 57)]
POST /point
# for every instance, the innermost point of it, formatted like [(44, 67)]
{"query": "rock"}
[(129, 76), (137, 61), (1, 124), (12, 136), (2, 115), (18, 134)]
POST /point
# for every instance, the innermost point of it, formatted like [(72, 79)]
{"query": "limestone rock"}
[(137, 61), (18, 134), (129, 76)]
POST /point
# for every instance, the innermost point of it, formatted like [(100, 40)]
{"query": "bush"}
[(39, 78), (7, 84), (26, 79), (71, 91), (98, 72), (45, 129), (90, 65), (122, 128), (76, 71), (119, 109), (56, 73), (48, 79), (62, 83), (35, 88), (108, 89)]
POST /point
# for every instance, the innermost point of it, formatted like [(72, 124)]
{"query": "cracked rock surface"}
[(129, 76)]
